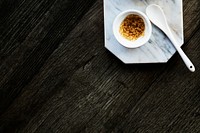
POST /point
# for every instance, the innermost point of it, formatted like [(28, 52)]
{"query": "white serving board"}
[(159, 48)]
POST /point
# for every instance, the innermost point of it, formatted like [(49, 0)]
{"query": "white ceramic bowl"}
[(135, 43)]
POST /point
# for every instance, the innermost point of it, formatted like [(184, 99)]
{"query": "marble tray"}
[(159, 48)]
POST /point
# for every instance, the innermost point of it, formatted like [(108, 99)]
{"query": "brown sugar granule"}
[(132, 27)]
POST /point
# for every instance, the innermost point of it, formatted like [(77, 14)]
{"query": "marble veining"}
[(159, 48)]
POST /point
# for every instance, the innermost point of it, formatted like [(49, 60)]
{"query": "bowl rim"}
[(147, 24)]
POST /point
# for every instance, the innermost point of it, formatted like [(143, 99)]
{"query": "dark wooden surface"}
[(56, 75)]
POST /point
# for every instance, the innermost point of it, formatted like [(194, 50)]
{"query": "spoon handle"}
[(186, 60)]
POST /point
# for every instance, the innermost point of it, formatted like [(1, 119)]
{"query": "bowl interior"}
[(135, 43)]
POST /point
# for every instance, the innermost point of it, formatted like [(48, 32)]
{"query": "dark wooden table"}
[(56, 75)]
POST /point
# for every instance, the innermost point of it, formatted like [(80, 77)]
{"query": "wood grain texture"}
[(27, 58), (56, 75)]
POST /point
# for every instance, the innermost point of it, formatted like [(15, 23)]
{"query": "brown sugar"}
[(132, 27)]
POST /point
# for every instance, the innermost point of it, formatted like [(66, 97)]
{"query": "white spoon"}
[(157, 16)]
